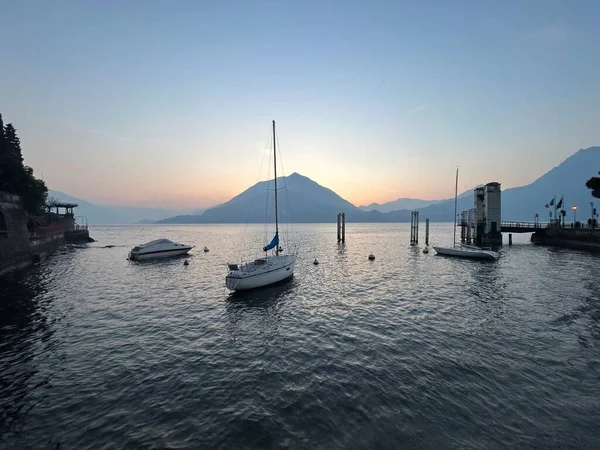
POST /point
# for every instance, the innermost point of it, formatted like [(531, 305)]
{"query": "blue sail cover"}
[(273, 243)]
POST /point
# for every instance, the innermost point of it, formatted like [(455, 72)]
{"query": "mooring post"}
[(343, 227), (417, 230), (469, 225), (509, 238), (339, 227), (414, 227), (426, 231)]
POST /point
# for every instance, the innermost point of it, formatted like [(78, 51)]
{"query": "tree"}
[(15, 177), (594, 184), (13, 141)]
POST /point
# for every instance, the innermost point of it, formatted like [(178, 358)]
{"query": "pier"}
[(482, 225)]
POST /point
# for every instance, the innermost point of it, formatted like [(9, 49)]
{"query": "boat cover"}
[(273, 243)]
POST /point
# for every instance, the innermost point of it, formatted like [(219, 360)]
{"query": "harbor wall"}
[(15, 252), (22, 243), (581, 239)]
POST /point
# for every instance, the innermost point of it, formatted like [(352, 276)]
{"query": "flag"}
[(559, 203), (550, 204)]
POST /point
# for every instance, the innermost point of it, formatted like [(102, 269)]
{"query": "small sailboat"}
[(268, 269), (464, 251)]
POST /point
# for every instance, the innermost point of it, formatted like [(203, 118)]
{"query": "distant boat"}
[(268, 269), (159, 248), (464, 251)]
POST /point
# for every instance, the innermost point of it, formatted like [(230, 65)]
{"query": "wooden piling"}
[(343, 227), (339, 227), (414, 228), (426, 231), (509, 238)]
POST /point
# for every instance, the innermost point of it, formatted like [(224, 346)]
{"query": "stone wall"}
[(583, 239), (20, 246), (15, 251)]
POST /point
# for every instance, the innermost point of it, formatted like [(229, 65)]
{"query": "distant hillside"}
[(568, 179), (522, 203), (401, 203), (112, 215)]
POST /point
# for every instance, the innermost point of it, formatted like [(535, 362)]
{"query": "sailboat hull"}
[(466, 252), (261, 272)]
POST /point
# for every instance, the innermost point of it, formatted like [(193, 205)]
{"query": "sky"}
[(169, 103)]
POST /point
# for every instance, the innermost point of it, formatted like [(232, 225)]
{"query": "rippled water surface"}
[(411, 350)]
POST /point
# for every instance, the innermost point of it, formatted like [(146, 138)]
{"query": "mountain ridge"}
[(313, 202), (321, 204), (112, 214)]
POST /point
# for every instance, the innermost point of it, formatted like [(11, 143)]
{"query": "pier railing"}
[(524, 225)]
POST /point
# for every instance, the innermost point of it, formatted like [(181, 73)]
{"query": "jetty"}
[(482, 225)]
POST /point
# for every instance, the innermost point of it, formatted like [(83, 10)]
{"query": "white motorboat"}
[(268, 269), (159, 248), (464, 251)]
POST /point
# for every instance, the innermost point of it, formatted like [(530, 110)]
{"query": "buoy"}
[(186, 263), (315, 262), (205, 249), (426, 250), (371, 257)]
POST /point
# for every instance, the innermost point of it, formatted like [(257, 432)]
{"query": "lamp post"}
[(574, 208)]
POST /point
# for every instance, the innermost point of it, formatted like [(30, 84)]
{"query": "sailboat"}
[(269, 269), (464, 251)]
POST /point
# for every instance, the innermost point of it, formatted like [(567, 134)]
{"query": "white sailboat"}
[(268, 269), (464, 251)]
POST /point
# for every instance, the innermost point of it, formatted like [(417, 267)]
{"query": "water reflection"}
[(256, 314), (23, 320), (262, 297)]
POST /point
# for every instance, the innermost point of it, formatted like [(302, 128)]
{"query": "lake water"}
[(411, 350)]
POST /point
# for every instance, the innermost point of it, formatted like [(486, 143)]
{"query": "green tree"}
[(594, 184), (15, 177)]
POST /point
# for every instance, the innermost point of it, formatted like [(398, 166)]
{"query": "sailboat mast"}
[(275, 170), (455, 204)]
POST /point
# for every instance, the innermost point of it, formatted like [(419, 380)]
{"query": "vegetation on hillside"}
[(15, 177), (594, 184)]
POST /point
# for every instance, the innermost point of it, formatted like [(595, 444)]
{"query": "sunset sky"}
[(159, 103)]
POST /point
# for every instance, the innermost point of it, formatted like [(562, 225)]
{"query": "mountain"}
[(522, 203), (400, 203), (567, 179), (112, 215), (309, 201)]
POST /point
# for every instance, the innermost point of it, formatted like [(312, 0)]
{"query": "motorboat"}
[(269, 269), (159, 248)]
